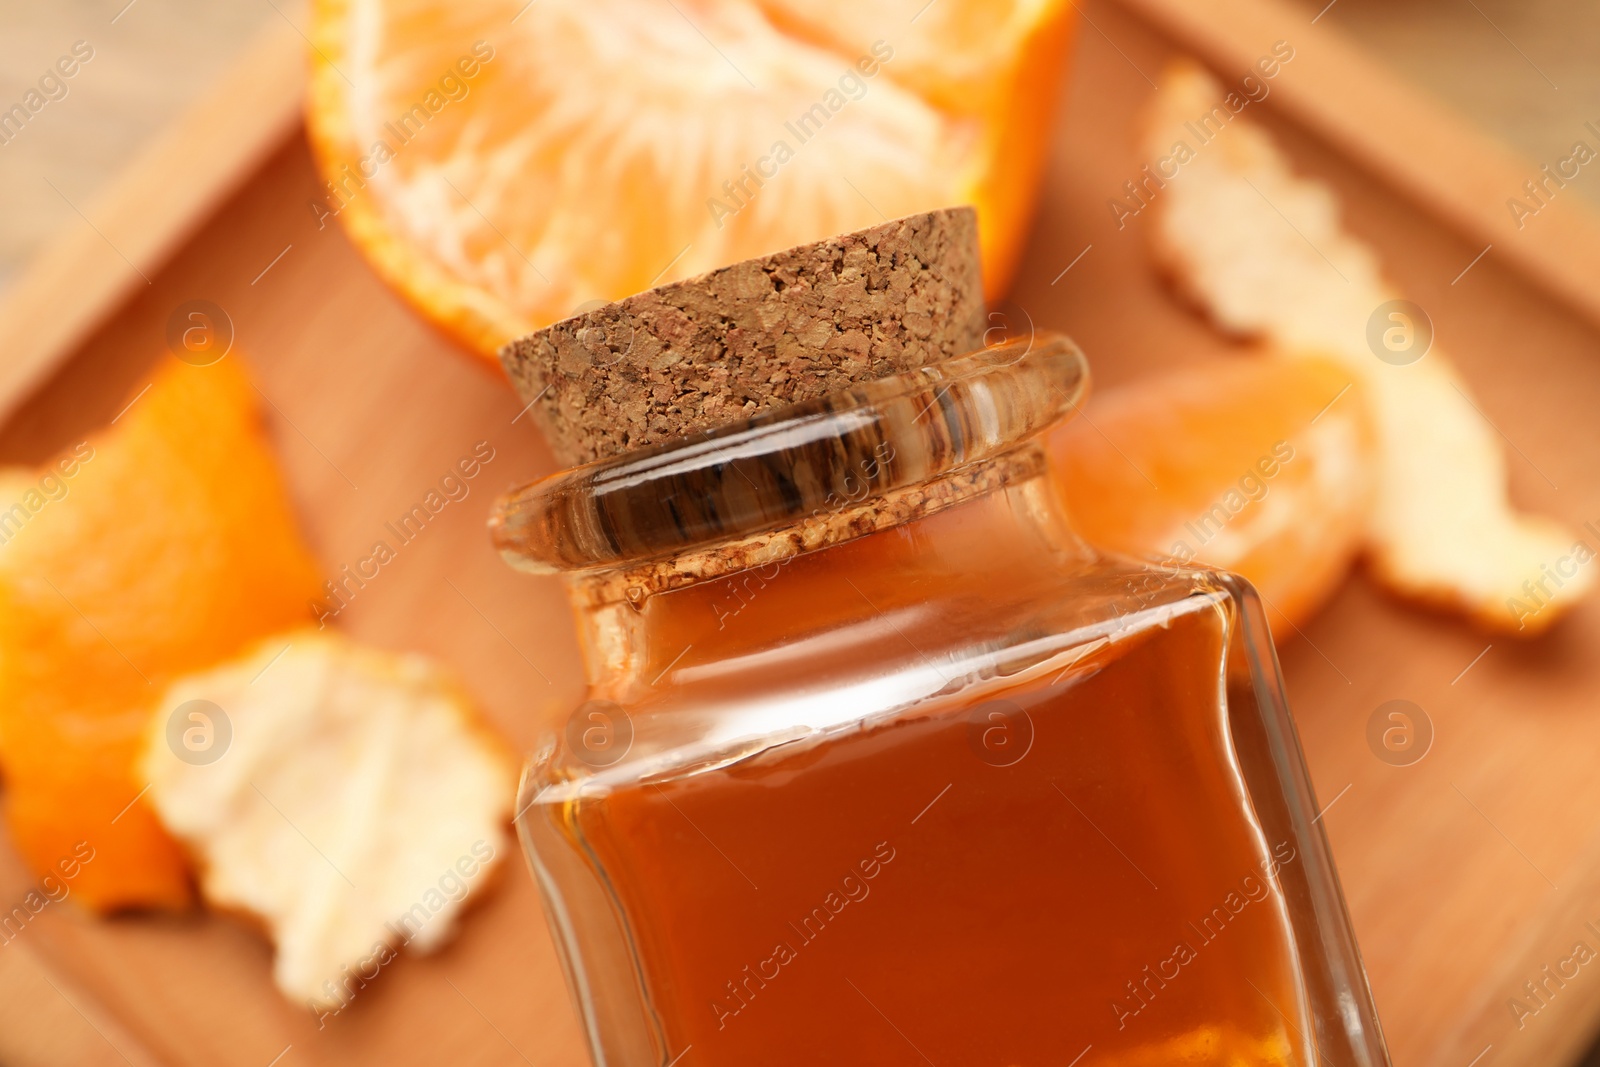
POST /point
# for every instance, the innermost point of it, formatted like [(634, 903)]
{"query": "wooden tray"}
[(1466, 873)]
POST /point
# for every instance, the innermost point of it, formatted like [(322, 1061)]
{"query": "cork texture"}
[(768, 332)]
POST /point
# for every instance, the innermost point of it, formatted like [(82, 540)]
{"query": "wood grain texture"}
[(121, 238), (1521, 70), (149, 66), (1370, 115), (1465, 873), (44, 1019)]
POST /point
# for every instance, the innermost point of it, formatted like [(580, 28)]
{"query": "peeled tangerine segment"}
[(158, 546), (504, 163), (1260, 466), (1264, 252), (354, 803)]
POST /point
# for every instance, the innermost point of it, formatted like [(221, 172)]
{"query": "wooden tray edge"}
[(1434, 157), (146, 213)]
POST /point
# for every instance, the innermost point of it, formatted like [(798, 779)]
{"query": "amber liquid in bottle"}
[(1053, 865)]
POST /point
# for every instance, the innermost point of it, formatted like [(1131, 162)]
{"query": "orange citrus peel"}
[(1265, 253), (170, 546), (347, 797)]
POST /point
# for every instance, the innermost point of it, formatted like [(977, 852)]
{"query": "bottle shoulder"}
[(892, 656), (1044, 608)]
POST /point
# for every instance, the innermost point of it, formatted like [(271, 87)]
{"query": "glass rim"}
[(783, 466)]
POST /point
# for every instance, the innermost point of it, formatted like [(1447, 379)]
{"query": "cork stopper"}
[(768, 332), (796, 479)]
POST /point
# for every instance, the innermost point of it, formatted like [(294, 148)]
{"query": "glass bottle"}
[(882, 765)]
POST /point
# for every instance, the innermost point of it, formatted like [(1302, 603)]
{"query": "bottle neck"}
[(636, 630)]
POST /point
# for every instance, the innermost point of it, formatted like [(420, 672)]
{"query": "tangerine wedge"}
[(160, 546), (503, 164), (1263, 466)]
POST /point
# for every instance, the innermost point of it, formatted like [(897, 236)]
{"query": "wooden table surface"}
[(1499, 62)]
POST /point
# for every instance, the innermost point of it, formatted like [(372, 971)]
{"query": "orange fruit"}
[(1264, 467), (504, 163), (160, 546)]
